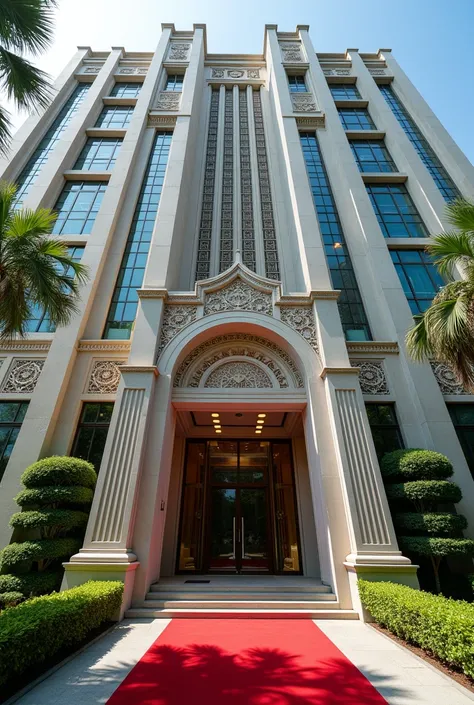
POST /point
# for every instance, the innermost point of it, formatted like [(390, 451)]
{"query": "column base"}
[(403, 573)]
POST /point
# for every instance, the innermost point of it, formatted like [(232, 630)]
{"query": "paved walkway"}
[(398, 675)]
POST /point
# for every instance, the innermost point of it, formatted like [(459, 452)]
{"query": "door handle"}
[(233, 536), (243, 538)]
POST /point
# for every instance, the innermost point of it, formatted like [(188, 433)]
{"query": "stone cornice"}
[(142, 369), (122, 346), (372, 346), (152, 294), (338, 370), (29, 346), (161, 121)]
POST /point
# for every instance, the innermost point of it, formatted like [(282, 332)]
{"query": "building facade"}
[(254, 228)]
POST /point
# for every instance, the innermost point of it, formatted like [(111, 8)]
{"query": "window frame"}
[(381, 427), (370, 144), (345, 88), (355, 111), (297, 87), (427, 265), (90, 425), (408, 216), (120, 88), (88, 221), (459, 428), (96, 143), (177, 87), (12, 425), (114, 110)]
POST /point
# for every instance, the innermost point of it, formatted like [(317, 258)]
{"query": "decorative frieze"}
[(132, 70), (301, 319), (311, 123), (22, 376), (238, 296), (337, 72), (104, 377), (25, 345), (378, 72), (174, 320), (88, 69), (447, 380), (238, 375), (235, 74), (372, 377), (168, 100), (291, 52), (161, 121), (304, 103), (122, 346), (179, 51), (372, 346)]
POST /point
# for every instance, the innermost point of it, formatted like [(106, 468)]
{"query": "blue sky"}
[(431, 39)]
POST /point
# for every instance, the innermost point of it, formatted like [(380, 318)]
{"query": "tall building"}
[(254, 228)]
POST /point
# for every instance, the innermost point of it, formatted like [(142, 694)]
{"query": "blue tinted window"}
[(396, 211), (126, 90), (115, 117), (12, 414), (77, 207), (297, 84), (344, 91), (418, 276), (354, 320), (372, 156), (92, 430), (174, 82), (356, 119), (98, 154)]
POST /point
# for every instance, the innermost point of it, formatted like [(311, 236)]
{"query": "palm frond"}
[(27, 25), (5, 131), (417, 340), (7, 198), (450, 249), (27, 85), (30, 224), (460, 213)]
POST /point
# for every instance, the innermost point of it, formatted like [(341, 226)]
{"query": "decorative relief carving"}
[(312, 122), (218, 73), (161, 121), (191, 370), (235, 73), (304, 103), (30, 346), (92, 69), (377, 72), (291, 52), (337, 72), (253, 73), (371, 377), (174, 319), (447, 380), (104, 346), (238, 296), (301, 319), (23, 376), (372, 346), (238, 375), (179, 51), (132, 70), (168, 100), (104, 377)]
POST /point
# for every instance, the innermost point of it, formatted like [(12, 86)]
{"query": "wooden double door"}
[(238, 512)]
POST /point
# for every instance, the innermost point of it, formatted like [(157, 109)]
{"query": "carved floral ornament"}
[(372, 377), (235, 73), (23, 376), (179, 51), (304, 103), (238, 375), (291, 52), (104, 377), (238, 296), (174, 319), (447, 380), (168, 100)]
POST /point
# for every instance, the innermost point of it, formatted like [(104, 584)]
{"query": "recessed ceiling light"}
[(214, 416), (218, 430), (215, 421), (258, 432), (216, 427), (259, 428), (261, 416)]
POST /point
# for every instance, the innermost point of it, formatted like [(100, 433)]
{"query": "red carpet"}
[(244, 662)]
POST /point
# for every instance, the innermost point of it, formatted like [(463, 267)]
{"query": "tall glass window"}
[(115, 117), (356, 119), (91, 433), (385, 429), (77, 207), (372, 156), (39, 321), (125, 298), (395, 211), (462, 416), (98, 154), (126, 90), (41, 154), (344, 91), (351, 309), (441, 177), (418, 276), (297, 84), (12, 414), (174, 82)]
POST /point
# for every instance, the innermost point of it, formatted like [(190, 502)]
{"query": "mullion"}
[(115, 116), (407, 216), (375, 147)]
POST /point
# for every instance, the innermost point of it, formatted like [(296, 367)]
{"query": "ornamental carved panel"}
[(238, 296), (168, 100), (104, 377), (238, 375), (179, 51), (23, 376), (304, 103), (174, 319), (372, 377), (447, 380), (301, 319), (291, 52), (132, 70)]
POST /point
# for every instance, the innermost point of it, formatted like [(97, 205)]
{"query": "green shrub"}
[(60, 519), (437, 546), (425, 493), (441, 523), (38, 628), (31, 584), (10, 599), (42, 496), (59, 470), (16, 555), (441, 626), (415, 464)]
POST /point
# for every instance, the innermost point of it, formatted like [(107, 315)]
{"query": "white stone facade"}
[(237, 311)]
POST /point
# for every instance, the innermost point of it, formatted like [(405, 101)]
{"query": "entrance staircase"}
[(208, 596)]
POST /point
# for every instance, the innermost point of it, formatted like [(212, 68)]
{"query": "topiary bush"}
[(58, 492), (38, 628), (416, 479), (444, 627)]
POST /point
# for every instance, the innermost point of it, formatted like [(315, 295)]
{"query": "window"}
[(353, 318), (372, 156), (441, 177), (115, 117), (462, 416), (39, 321), (98, 154), (126, 90), (78, 206), (174, 82), (48, 143), (418, 276), (384, 426), (356, 119), (125, 298), (396, 211), (297, 84), (91, 434), (12, 414), (344, 91)]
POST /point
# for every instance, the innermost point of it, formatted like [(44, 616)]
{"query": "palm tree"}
[(445, 331), (35, 269), (25, 26)]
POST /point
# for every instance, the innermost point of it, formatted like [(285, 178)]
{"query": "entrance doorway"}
[(238, 510)]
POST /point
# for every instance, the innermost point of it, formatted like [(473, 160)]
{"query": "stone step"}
[(243, 588), (240, 595), (145, 613), (241, 604)]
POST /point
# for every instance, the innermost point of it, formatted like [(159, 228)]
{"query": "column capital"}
[(144, 369), (338, 370)]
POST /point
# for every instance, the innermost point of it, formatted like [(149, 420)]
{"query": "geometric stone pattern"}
[(304, 103), (238, 375), (337, 72), (235, 73), (301, 319), (226, 255), (179, 51), (104, 377), (447, 380), (372, 377), (248, 232), (291, 52), (238, 296), (23, 376), (168, 100), (174, 319)]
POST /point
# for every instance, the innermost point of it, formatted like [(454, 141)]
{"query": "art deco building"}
[(254, 228)]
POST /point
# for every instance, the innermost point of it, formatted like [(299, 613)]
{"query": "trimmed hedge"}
[(40, 496), (60, 519), (435, 546), (15, 554), (10, 599), (441, 523), (429, 491), (31, 584), (60, 470), (416, 464), (37, 629), (441, 626)]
